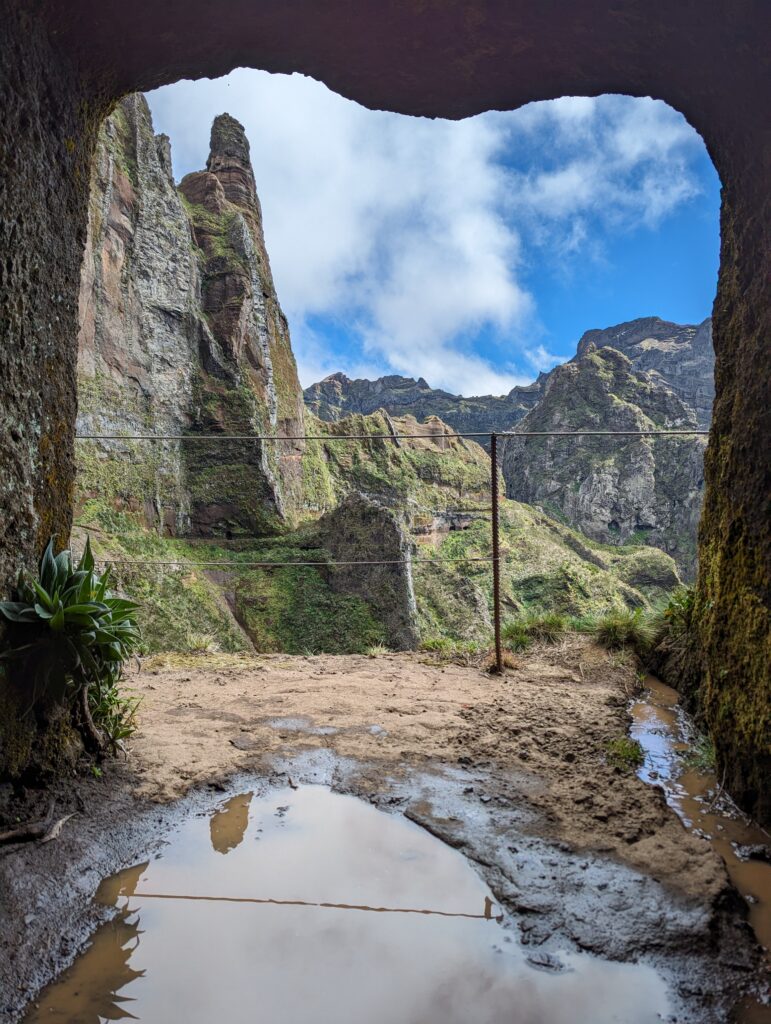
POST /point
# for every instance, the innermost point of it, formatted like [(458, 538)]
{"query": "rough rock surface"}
[(180, 332), (613, 489), (681, 354)]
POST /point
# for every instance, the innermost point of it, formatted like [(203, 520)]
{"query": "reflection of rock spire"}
[(227, 826), (95, 987)]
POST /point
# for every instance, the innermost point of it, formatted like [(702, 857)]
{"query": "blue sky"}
[(471, 253)]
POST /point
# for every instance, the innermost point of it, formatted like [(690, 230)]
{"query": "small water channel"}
[(304, 905), (666, 735)]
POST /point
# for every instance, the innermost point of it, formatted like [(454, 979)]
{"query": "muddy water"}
[(308, 906), (664, 733)]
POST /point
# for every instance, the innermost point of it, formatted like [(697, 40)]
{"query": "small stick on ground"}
[(56, 828), (31, 830)]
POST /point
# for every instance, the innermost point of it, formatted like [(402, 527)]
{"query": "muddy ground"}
[(514, 771)]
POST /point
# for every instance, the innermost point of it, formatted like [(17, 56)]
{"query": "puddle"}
[(305, 905), (663, 731)]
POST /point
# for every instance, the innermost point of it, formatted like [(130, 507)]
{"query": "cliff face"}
[(181, 332), (614, 489)]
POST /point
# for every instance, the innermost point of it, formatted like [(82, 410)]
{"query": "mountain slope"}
[(182, 333), (681, 354), (614, 489), (646, 492)]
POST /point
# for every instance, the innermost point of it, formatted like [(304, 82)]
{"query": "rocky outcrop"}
[(361, 530), (615, 490), (181, 332), (681, 354)]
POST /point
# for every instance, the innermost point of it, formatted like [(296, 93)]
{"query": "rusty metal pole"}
[(496, 553)]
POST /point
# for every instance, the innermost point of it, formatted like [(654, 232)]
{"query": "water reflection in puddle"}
[(307, 906)]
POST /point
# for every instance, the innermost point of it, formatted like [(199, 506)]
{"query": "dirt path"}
[(543, 731)]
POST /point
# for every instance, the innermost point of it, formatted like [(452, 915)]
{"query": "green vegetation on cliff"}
[(230, 607), (428, 473), (545, 568)]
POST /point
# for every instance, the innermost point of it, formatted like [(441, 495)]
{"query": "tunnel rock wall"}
[(64, 65), (46, 138), (730, 669)]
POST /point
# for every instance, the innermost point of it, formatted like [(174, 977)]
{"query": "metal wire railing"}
[(494, 558), (384, 437)]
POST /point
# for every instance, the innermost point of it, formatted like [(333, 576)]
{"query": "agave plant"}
[(69, 633)]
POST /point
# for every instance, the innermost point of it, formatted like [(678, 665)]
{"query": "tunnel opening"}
[(65, 69), (182, 332)]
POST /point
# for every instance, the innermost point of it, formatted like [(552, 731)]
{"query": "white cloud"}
[(623, 161), (410, 232)]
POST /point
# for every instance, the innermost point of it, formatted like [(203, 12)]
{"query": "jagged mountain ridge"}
[(181, 332), (644, 373), (337, 396), (680, 353)]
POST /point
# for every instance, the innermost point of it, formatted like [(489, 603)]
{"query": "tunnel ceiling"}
[(431, 57)]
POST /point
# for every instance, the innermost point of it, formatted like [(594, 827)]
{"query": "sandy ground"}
[(542, 731)]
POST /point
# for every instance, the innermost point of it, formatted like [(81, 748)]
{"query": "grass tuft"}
[(377, 651), (633, 629), (546, 628), (625, 753)]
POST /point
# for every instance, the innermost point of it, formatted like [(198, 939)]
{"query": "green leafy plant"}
[(69, 637), (677, 615), (700, 756)]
